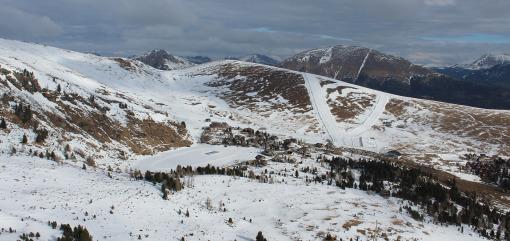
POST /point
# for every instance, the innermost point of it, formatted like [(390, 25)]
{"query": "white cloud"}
[(439, 2), (277, 27), (15, 23)]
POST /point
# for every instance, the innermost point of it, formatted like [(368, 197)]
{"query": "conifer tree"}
[(260, 237), (3, 125)]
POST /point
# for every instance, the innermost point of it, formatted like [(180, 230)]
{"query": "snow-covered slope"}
[(87, 104), (35, 191), (241, 94)]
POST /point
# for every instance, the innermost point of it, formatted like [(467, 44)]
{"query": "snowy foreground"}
[(35, 191)]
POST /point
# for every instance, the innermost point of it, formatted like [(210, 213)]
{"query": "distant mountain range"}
[(163, 60), (376, 70), (483, 83), (490, 69), (488, 61), (257, 58)]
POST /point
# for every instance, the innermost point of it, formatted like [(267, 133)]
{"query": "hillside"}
[(80, 105), (305, 106), (376, 70)]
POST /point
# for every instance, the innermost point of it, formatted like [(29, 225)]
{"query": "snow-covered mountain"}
[(490, 69), (351, 63), (257, 58), (487, 61), (260, 59), (161, 59), (123, 115), (376, 70)]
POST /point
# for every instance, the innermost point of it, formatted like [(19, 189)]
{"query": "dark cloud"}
[(426, 31)]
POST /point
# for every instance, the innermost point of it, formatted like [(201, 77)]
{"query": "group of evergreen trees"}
[(69, 233), (444, 202), (23, 112), (26, 81), (240, 137), (41, 135), (30, 236), (171, 181), (495, 171)]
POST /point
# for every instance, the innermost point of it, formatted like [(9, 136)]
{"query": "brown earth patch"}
[(351, 223), (125, 64), (250, 85), (350, 106), (398, 222), (488, 127), (397, 107)]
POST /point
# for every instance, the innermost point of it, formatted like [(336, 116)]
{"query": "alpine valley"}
[(341, 143)]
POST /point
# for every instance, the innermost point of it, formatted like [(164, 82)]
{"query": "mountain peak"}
[(350, 63), (163, 60), (489, 60), (260, 59)]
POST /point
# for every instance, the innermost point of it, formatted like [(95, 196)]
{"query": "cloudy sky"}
[(425, 31)]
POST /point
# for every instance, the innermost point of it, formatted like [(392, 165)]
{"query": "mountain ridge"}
[(388, 73)]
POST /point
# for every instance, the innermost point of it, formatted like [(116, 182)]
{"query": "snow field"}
[(39, 190)]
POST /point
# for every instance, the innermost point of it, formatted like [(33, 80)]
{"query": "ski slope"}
[(321, 108), (340, 133), (372, 118)]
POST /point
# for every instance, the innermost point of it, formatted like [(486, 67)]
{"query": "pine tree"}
[(3, 125), (260, 237), (165, 192), (24, 140), (59, 88), (42, 134)]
